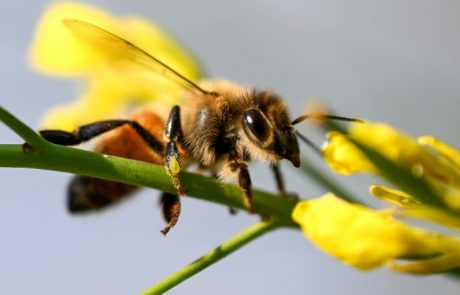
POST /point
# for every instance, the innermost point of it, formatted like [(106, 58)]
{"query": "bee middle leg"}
[(244, 181)]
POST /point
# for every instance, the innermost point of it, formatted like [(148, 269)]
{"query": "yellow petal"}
[(55, 50), (405, 151), (114, 79), (413, 208), (366, 239), (344, 157), (441, 173), (90, 107), (447, 151)]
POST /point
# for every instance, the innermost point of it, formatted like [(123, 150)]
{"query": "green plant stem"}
[(213, 256), (21, 129), (75, 161)]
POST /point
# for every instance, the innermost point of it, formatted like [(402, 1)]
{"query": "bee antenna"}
[(325, 116), (305, 139)]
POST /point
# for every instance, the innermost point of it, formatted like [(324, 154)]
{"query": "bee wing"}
[(117, 50)]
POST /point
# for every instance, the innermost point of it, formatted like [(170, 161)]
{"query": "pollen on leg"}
[(173, 169), (173, 166)]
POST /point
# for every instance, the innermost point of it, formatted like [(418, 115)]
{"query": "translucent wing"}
[(117, 50)]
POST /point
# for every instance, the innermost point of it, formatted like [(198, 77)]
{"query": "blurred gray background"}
[(392, 61)]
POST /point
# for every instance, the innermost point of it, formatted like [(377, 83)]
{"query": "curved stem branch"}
[(213, 256), (21, 129)]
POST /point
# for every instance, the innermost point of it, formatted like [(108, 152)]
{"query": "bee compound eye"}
[(255, 123)]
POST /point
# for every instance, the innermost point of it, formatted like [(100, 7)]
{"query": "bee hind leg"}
[(173, 133), (171, 210), (92, 130)]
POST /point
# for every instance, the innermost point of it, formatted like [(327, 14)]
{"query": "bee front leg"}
[(173, 133), (279, 179), (280, 182)]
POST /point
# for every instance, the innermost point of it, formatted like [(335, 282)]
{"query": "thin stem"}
[(217, 254), (21, 129)]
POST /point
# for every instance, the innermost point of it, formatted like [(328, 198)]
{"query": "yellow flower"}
[(366, 239), (448, 152), (111, 84), (429, 159), (391, 143)]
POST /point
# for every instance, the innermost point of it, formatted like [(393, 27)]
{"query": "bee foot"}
[(171, 211), (249, 204)]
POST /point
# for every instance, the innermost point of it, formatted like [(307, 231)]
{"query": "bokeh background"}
[(392, 61)]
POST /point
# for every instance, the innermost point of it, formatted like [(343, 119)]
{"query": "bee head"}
[(268, 129)]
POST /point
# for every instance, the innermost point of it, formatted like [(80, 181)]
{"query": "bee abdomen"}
[(90, 194)]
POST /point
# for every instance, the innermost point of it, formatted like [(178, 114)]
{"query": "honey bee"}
[(220, 125)]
